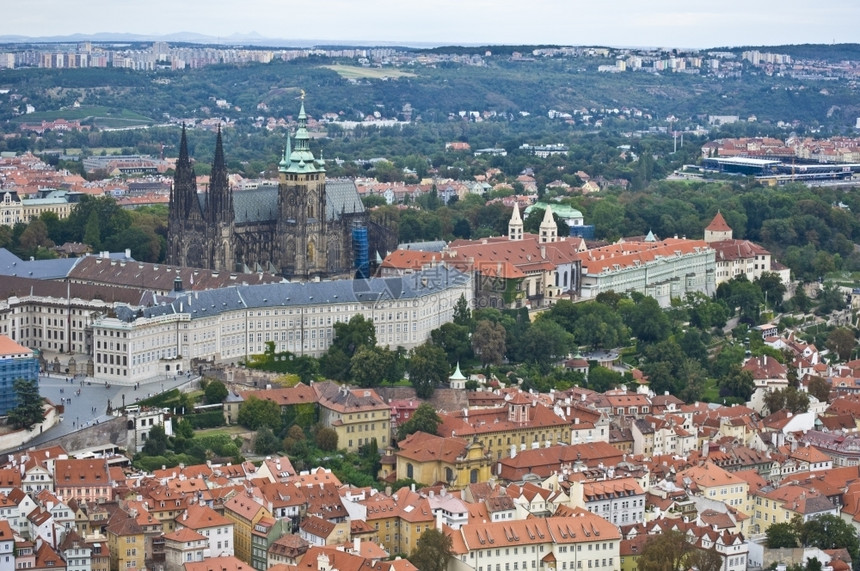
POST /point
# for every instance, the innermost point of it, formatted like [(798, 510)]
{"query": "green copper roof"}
[(563, 211), (457, 376), (299, 159)]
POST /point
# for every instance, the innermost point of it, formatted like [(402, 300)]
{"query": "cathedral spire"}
[(285, 162), (219, 199), (299, 158), (183, 199)]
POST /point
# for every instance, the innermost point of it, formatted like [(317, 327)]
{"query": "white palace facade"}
[(229, 324)]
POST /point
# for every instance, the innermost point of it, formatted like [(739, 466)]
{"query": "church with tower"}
[(308, 227)]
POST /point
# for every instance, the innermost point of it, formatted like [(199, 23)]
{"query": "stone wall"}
[(19, 438), (114, 431), (241, 377)]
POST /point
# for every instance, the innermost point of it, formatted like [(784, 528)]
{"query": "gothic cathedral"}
[(304, 229)]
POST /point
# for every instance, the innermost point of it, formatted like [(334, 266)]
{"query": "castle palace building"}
[(309, 227)]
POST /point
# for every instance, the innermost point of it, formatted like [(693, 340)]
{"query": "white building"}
[(739, 257), (620, 501), (663, 270), (228, 324), (581, 541)]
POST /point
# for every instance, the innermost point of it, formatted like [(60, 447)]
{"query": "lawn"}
[(98, 114), (356, 72), (231, 431), (846, 279)]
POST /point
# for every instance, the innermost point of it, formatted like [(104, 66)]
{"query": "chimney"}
[(356, 545)]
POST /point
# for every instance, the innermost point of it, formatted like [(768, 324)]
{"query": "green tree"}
[(433, 551), (782, 534), (646, 319), (665, 552), (488, 342), (692, 377), (215, 391), (265, 441), (788, 398), (454, 340), (801, 302), (348, 338), (28, 411), (294, 435), (255, 412), (725, 359), (184, 428), (601, 379), (744, 295), (424, 419), (706, 313), (92, 231), (34, 237), (830, 532), (704, 560), (842, 342), (156, 441), (829, 299), (738, 383), (462, 312), (819, 388), (326, 439), (369, 364), (545, 342), (427, 368), (773, 289), (593, 324)]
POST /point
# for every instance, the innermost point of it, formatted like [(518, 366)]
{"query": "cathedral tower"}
[(302, 231), (186, 229), (219, 214)]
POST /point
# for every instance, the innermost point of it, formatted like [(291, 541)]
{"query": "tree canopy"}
[(255, 413), (433, 551), (423, 419), (28, 411)]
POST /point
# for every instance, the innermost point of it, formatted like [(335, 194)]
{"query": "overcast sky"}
[(662, 23)]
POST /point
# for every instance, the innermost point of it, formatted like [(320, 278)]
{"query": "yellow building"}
[(712, 482), (357, 415), (244, 512), (630, 550), (430, 459), (522, 423), (416, 517), (126, 542), (783, 503), (383, 515), (56, 201)]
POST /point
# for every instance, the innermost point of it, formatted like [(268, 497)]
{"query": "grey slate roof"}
[(341, 196), (256, 205), (431, 246), (12, 265), (216, 301), (261, 204)]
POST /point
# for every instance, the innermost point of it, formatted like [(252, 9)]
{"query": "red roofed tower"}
[(718, 229)]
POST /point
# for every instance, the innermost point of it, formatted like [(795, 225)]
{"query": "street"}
[(86, 401)]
